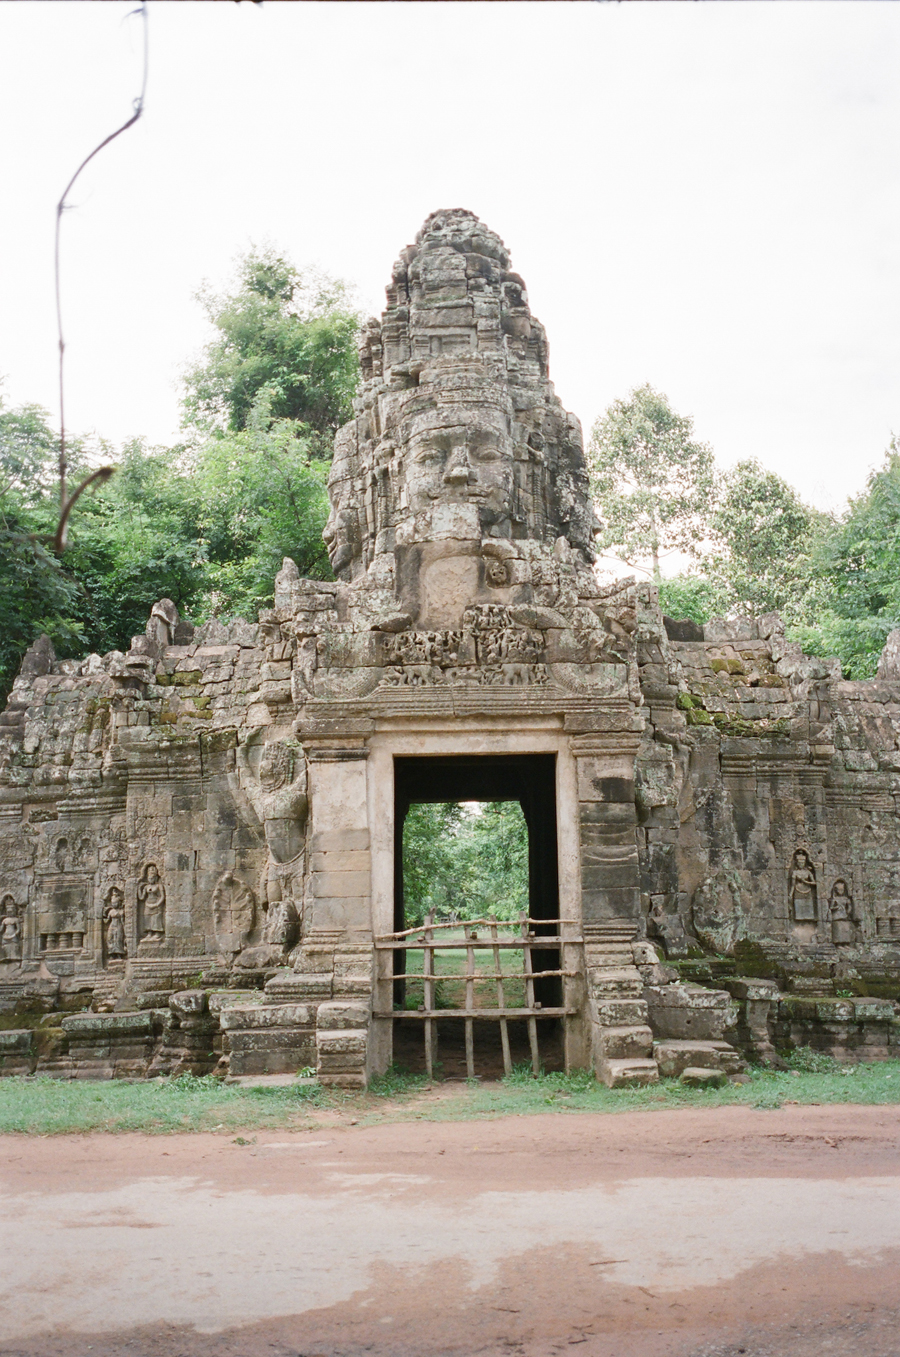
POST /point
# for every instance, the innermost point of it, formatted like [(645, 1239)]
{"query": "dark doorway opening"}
[(529, 779)]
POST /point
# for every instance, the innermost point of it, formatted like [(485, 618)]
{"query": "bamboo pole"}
[(428, 988), (501, 1003), (470, 1003), (529, 998)]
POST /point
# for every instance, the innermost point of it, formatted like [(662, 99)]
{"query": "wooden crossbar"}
[(553, 940), (526, 941), (476, 1014)]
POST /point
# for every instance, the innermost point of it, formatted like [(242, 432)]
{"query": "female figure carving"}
[(114, 919), (151, 895), (802, 888)]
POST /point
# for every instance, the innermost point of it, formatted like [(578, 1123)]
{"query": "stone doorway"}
[(530, 780)]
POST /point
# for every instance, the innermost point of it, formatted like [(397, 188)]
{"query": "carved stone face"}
[(468, 461), (342, 537)]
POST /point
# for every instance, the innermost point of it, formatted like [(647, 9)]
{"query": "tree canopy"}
[(282, 334), (465, 861), (652, 480), (208, 521)]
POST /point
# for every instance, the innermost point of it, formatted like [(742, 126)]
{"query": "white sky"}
[(703, 196)]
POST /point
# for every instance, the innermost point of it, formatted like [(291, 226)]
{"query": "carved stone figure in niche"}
[(273, 777), (114, 923), (10, 930), (843, 917), (61, 855), (668, 928), (151, 897), (802, 889), (715, 916), (81, 851), (234, 913)]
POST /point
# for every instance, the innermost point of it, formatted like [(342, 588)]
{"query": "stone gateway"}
[(200, 838)]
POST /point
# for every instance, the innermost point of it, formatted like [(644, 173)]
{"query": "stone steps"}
[(629, 1073), (628, 1043), (619, 982), (674, 1057), (623, 1040)]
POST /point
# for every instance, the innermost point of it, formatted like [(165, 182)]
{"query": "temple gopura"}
[(201, 839)]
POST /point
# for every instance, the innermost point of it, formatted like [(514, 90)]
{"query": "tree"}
[(36, 593), (260, 496), (289, 334), (467, 860), (136, 540), (691, 596), (653, 482), (431, 860), (856, 572), (764, 538)]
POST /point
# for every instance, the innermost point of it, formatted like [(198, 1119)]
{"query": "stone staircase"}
[(622, 1040)]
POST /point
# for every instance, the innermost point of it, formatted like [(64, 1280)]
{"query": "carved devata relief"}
[(844, 922), (151, 901), (115, 946), (273, 777), (234, 914), (802, 889), (11, 916)]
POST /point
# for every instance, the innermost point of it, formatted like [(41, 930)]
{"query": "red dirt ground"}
[(665, 1234)]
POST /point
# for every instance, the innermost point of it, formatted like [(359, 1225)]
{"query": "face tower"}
[(461, 459)]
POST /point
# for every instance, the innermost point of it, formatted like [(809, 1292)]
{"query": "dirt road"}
[(733, 1231)]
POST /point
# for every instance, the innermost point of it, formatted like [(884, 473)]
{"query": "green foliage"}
[(28, 454), (289, 335), (808, 1061), (36, 596), (465, 861), (691, 597), (652, 481), (260, 496), (205, 524), (764, 538), (857, 568), (135, 540)]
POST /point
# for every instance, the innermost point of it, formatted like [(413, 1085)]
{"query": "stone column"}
[(610, 878), (338, 910)]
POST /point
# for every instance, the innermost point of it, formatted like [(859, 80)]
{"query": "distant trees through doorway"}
[(465, 860)]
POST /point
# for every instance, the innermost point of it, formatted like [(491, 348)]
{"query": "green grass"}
[(450, 992), (45, 1106)]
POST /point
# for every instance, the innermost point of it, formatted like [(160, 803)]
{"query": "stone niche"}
[(205, 829)]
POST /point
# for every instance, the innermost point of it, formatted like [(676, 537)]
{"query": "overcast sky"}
[(702, 196)]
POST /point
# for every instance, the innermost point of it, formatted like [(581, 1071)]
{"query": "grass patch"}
[(43, 1106)]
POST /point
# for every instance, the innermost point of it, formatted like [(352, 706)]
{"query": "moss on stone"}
[(698, 717)]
